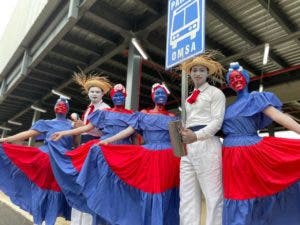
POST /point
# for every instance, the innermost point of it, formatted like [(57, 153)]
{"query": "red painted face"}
[(237, 81), (61, 108)]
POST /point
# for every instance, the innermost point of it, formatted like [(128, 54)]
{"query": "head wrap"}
[(235, 66), (118, 88), (63, 99), (158, 85)]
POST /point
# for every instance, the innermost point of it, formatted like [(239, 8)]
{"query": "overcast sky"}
[(6, 9)]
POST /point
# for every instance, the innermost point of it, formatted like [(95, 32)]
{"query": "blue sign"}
[(185, 34)]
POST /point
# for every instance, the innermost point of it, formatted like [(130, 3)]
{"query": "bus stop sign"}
[(185, 32)]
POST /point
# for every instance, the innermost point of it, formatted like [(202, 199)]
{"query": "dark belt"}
[(199, 127), (196, 128)]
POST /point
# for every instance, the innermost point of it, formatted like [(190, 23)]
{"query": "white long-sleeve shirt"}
[(208, 110)]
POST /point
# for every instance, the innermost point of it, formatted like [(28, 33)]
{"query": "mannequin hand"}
[(78, 123), (188, 136), (57, 135), (103, 142), (3, 140)]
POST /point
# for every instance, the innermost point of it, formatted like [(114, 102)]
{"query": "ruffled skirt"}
[(261, 183), (131, 185), (27, 178)]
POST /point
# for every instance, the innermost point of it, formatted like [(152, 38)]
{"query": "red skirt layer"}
[(260, 170), (151, 171), (26, 158)]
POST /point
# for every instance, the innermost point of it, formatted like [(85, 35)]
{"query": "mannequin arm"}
[(282, 119)]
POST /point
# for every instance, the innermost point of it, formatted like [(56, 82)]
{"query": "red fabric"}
[(149, 171), (192, 98), (79, 154), (259, 170), (158, 111), (119, 110), (90, 109), (34, 163)]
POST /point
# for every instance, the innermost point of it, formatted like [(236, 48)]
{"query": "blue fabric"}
[(42, 204), (154, 128), (111, 123), (49, 127), (241, 122), (119, 203), (244, 118), (280, 209), (63, 169)]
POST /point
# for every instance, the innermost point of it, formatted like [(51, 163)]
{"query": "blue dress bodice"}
[(111, 123), (48, 127), (245, 117), (154, 128)]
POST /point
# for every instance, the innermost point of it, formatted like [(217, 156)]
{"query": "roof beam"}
[(215, 9), (227, 52), (260, 47), (85, 47), (150, 25), (281, 18), (97, 33), (43, 71), (60, 53), (149, 5), (107, 23)]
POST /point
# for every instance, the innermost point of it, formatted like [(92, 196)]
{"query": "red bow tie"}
[(192, 98)]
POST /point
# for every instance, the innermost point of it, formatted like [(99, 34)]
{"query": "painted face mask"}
[(118, 98), (237, 81), (61, 107), (95, 94), (160, 96), (199, 75)]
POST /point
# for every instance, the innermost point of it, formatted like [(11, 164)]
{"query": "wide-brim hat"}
[(92, 80), (214, 68)]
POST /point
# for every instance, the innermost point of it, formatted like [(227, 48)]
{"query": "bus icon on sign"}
[(185, 23)]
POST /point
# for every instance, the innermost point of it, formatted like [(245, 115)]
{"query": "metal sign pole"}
[(184, 93)]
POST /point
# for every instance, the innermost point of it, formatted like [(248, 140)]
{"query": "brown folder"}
[(179, 148)]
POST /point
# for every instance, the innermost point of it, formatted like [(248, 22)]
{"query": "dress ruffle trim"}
[(43, 204), (262, 169), (106, 183)]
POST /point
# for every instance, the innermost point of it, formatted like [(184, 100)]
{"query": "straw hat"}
[(92, 80), (214, 68)]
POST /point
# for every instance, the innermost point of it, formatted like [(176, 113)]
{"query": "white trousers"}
[(80, 218), (200, 170)]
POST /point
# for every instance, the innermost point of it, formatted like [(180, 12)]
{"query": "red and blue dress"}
[(260, 175), (27, 178), (67, 164), (118, 184), (134, 185)]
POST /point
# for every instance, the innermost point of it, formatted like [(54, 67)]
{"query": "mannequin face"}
[(118, 99), (237, 81), (61, 107), (160, 96), (95, 95), (199, 75)]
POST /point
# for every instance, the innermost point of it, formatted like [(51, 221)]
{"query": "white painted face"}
[(199, 75), (95, 95)]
